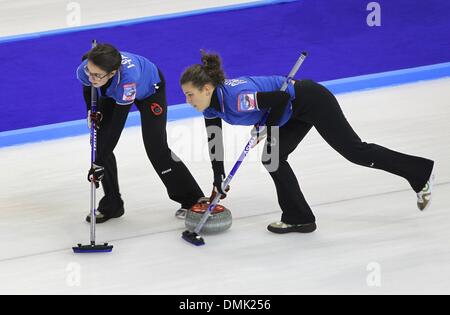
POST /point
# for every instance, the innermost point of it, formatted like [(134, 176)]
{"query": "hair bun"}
[(212, 65), (209, 71)]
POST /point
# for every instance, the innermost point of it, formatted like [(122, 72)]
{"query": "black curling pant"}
[(316, 106), (179, 182)]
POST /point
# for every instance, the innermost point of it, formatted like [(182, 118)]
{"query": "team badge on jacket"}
[(247, 102), (129, 92)]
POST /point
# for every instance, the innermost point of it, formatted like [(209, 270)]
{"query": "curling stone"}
[(219, 220)]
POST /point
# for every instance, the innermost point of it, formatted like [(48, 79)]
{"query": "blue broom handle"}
[(93, 156)]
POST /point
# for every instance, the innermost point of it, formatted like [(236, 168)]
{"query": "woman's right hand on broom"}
[(217, 187)]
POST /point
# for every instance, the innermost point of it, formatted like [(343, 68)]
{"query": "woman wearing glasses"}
[(121, 79)]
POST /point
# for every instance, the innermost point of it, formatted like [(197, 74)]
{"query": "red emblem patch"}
[(157, 110)]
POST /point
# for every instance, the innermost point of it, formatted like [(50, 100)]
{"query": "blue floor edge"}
[(232, 7), (183, 111)]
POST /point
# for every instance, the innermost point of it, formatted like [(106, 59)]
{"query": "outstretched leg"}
[(319, 107)]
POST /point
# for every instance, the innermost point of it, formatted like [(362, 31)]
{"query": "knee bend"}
[(273, 165), (360, 154)]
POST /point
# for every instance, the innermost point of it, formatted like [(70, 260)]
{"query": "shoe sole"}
[(308, 228), (432, 179), (426, 207)]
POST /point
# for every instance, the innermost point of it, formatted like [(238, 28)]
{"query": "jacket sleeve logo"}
[(247, 102), (129, 92)]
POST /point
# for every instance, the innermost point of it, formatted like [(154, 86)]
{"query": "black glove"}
[(218, 181), (94, 117), (96, 174)]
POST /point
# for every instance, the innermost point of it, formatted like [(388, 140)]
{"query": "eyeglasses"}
[(96, 76)]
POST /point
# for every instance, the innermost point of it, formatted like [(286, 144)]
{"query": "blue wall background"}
[(38, 74)]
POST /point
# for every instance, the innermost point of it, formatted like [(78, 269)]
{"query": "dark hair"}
[(106, 57), (210, 71)]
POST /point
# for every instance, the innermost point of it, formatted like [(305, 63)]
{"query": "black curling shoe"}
[(102, 217), (281, 227), (108, 208)]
